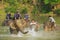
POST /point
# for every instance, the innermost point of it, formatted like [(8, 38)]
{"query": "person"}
[(17, 15), (33, 27), (26, 17), (33, 24), (8, 16), (52, 22)]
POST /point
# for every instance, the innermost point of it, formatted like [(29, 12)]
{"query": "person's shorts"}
[(52, 24)]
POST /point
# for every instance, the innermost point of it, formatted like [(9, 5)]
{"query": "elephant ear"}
[(11, 24)]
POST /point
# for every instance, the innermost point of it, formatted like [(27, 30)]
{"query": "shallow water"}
[(40, 35)]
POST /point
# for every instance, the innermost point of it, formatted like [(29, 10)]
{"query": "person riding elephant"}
[(17, 15), (8, 16), (26, 17)]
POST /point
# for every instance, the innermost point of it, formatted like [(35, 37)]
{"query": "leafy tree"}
[(51, 1), (24, 10), (11, 9), (57, 11), (11, 2), (12, 6), (34, 11), (46, 5)]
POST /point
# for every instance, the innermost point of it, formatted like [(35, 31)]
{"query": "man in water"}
[(52, 22), (33, 28)]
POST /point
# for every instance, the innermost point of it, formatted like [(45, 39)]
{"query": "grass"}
[(2, 16)]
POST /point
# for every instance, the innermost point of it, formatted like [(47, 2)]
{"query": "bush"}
[(11, 9), (46, 8), (57, 11), (24, 10), (35, 10), (11, 2)]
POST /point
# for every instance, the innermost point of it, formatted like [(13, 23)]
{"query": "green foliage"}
[(57, 11), (24, 10), (11, 2), (30, 2), (35, 10), (50, 1), (13, 6), (25, 1), (43, 6), (39, 0), (58, 1), (46, 8), (10, 9), (46, 1), (34, 13)]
